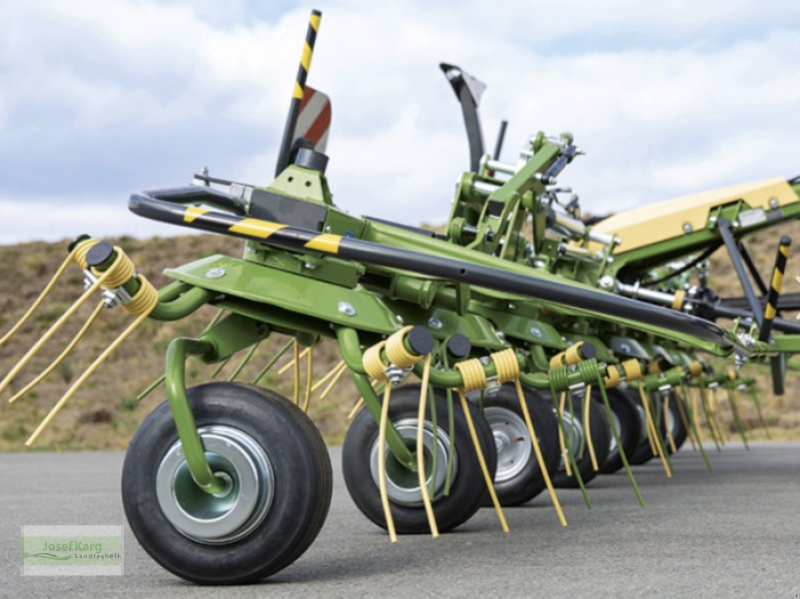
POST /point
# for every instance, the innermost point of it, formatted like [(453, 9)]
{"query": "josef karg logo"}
[(72, 550)]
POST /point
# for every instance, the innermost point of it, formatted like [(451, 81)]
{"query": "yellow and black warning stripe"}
[(171, 206), (299, 90), (771, 309)]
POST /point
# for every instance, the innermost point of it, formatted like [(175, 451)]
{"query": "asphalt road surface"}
[(735, 533)]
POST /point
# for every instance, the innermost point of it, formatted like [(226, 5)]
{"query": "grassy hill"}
[(105, 413)]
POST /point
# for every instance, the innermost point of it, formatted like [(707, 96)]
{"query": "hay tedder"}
[(519, 351)]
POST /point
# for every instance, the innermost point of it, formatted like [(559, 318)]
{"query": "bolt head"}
[(687, 228), (773, 203), (347, 309), (435, 323), (537, 332), (215, 273)]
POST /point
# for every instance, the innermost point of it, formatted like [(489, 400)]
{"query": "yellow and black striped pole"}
[(299, 91), (771, 309)]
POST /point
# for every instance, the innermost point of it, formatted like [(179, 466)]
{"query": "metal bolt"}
[(625, 348), (435, 323), (537, 332), (773, 203), (687, 228), (347, 309), (399, 319), (606, 282), (512, 306), (215, 273)]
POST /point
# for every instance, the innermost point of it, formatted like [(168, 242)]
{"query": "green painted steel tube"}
[(183, 300), (396, 443), (350, 348), (191, 443)]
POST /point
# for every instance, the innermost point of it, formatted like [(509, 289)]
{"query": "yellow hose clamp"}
[(677, 301), (632, 369), (569, 357), (613, 377), (695, 368), (654, 367)]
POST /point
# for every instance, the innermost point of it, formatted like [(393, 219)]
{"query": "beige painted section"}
[(664, 220)]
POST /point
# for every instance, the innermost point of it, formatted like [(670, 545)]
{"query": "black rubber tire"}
[(643, 452), (679, 430), (468, 487), (529, 482), (303, 486), (629, 430), (600, 433)]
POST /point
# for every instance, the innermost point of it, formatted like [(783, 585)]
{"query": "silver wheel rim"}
[(514, 448), (574, 434), (402, 483), (220, 518)]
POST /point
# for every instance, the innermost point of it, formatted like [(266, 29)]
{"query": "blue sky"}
[(99, 98)]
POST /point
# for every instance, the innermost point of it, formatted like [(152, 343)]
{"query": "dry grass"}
[(105, 413)]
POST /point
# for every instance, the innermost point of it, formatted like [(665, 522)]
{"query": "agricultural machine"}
[(520, 351)]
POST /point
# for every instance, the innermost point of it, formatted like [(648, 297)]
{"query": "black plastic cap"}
[(786, 240), (587, 351), (311, 159), (74, 243), (662, 363), (420, 340), (458, 346), (99, 254)]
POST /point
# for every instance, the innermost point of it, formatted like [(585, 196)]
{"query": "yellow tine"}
[(45, 292), (294, 360), (309, 377), (356, 408), (296, 363), (82, 379), (335, 380), (46, 337), (423, 483), (487, 477), (75, 340), (654, 431), (561, 405), (331, 372), (587, 425), (387, 510), (539, 458)]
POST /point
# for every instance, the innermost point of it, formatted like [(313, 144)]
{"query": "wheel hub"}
[(514, 448), (574, 434), (222, 517), (403, 484)]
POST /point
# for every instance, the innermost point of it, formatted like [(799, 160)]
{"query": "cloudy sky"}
[(99, 98)]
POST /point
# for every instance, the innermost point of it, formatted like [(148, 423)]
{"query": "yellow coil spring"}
[(396, 350)]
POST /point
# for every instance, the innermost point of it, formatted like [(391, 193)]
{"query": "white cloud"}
[(667, 99)]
